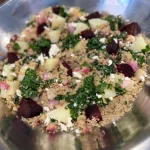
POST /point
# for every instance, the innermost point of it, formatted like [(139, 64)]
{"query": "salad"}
[(71, 71)]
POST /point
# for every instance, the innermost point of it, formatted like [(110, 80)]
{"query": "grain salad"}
[(70, 71)]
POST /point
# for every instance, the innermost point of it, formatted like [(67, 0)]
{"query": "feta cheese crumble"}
[(95, 57), (18, 93), (53, 50), (109, 62), (41, 59), (77, 75)]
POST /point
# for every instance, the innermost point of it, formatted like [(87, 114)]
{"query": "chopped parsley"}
[(62, 12), (30, 84), (31, 23), (104, 69), (16, 99), (122, 35), (119, 90), (27, 59), (16, 46), (146, 49), (115, 22), (84, 97), (70, 41), (94, 43), (39, 45)]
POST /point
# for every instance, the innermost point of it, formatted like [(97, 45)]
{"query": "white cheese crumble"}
[(82, 18), (98, 95), (95, 32), (102, 40), (4, 73), (95, 57), (142, 78), (80, 37), (69, 124), (122, 62), (47, 121), (104, 47), (53, 50), (116, 40), (46, 28), (46, 89), (41, 59), (111, 98), (46, 109), (77, 75), (63, 127), (77, 131), (109, 62), (11, 66), (18, 92), (78, 81), (72, 55), (120, 43), (60, 85), (75, 104), (127, 78), (13, 74)]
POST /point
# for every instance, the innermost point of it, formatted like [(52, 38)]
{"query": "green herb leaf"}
[(146, 49), (119, 90), (94, 43), (39, 45), (16, 99), (30, 84), (115, 22), (16, 46), (70, 41), (63, 12)]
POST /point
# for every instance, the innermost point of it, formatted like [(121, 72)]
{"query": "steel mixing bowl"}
[(131, 132)]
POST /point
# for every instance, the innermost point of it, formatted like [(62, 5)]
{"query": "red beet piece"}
[(45, 51), (40, 28), (93, 111), (87, 34), (113, 47), (69, 69), (126, 70), (14, 38), (12, 57), (93, 15), (56, 10), (132, 28), (29, 108)]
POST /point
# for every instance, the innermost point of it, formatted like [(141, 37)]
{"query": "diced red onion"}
[(4, 85), (52, 103), (134, 65), (71, 28), (86, 70), (46, 76), (125, 83), (41, 18), (51, 128)]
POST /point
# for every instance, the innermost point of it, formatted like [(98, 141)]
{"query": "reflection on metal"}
[(131, 132)]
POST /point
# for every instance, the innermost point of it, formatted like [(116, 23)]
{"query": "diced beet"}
[(87, 34), (29, 108), (113, 47), (12, 57), (132, 28), (56, 10), (126, 69), (93, 15), (93, 111), (69, 69), (40, 28), (14, 38), (45, 51)]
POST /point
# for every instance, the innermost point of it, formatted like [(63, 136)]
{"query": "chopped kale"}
[(104, 69), (16, 99), (115, 22), (119, 90), (72, 85), (30, 84), (94, 43), (146, 49), (70, 41), (16, 46), (31, 23), (62, 12), (39, 45)]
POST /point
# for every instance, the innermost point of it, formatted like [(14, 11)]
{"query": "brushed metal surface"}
[(131, 132)]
